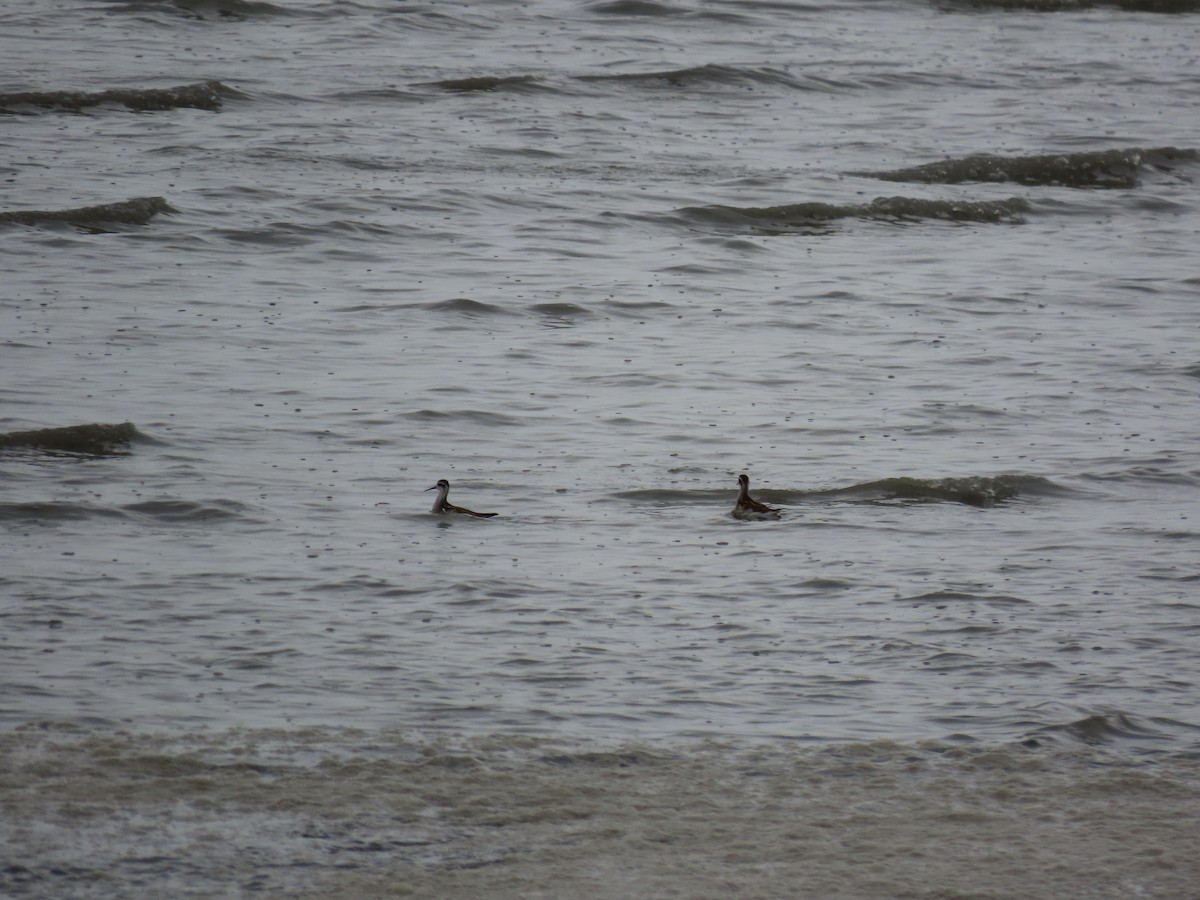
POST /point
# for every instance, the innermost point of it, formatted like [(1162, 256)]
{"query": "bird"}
[(441, 505), (747, 508)]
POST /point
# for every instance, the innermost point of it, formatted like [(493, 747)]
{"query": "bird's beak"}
[(434, 488)]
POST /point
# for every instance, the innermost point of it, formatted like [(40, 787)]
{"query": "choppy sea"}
[(926, 272)]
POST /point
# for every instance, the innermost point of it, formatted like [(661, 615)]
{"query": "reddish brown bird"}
[(748, 508)]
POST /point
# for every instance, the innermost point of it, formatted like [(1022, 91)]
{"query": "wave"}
[(940, 598), (209, 95), (92, 440), (464, 306), (235, 10), (484, 83), (55, 511), (642, 9), (475, 416), (1093, 169), (980, 490), (1148, 6), (807, 215), (710, 73), (136, 211), (1109, 728), (175, 510), (635, 8), (561, 312)]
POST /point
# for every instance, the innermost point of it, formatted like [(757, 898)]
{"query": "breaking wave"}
[(895, 209), (978, 490), (209, 95), (93, 440), (136, 211), (1094, 169), (981, 490)]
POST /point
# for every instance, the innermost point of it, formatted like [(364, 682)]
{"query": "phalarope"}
[(748, 508), (441, 505)]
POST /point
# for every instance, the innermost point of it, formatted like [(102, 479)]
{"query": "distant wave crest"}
[(710, 73), (177, 510), (1148, 6), (973, 490), (649, 9), (482, 83), (798, 215), (235, 10), (981, 490), (161, 511), (1093, 169), (693, 76), (136, 211), (464, 306), (209, 95), (96, 439), (634, 8)]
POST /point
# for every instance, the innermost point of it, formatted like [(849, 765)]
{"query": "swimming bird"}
[(748, 508), (441, 505)]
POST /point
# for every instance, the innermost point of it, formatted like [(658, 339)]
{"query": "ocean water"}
[(924, 271)]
